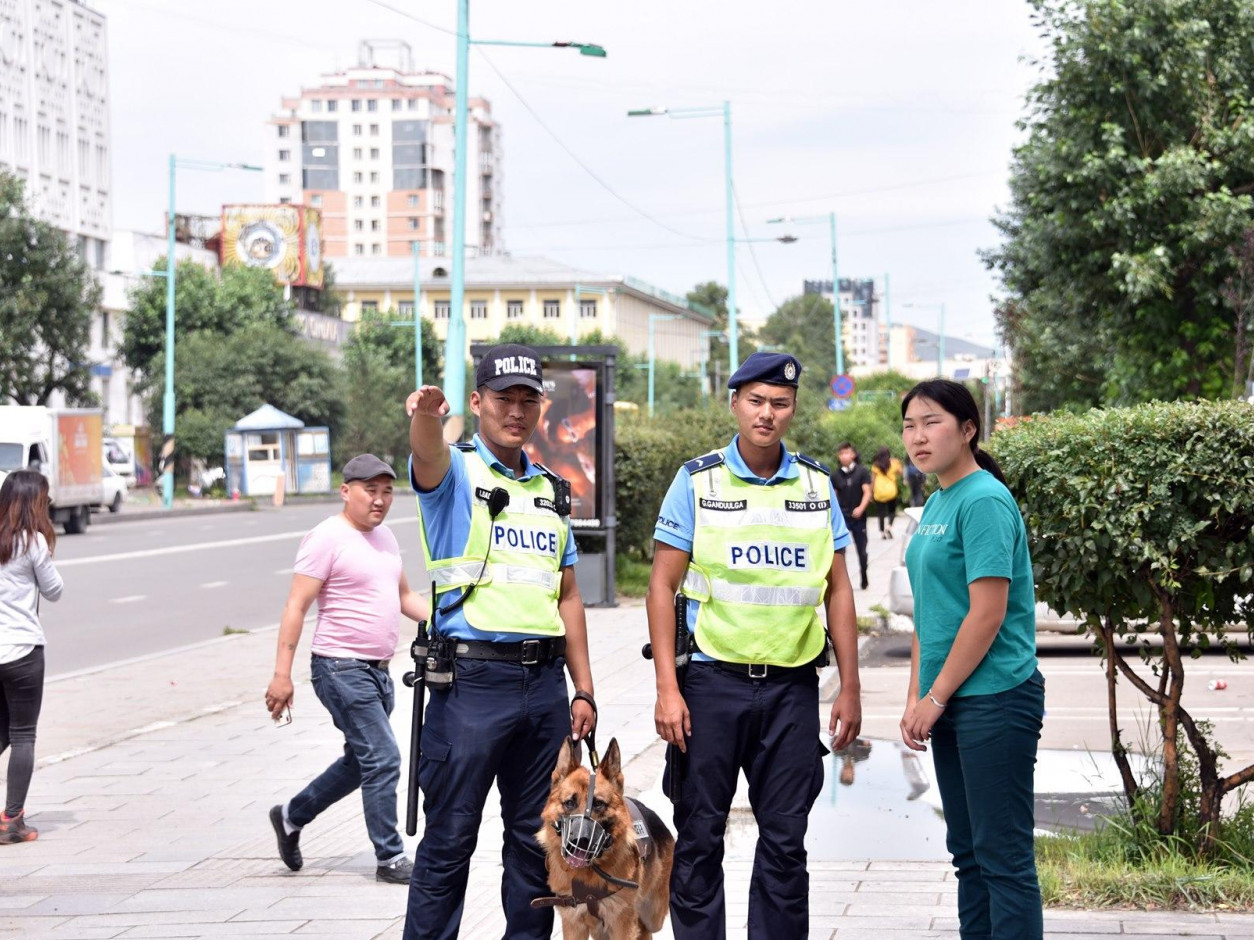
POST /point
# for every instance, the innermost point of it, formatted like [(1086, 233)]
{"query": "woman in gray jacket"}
[(26, 572)]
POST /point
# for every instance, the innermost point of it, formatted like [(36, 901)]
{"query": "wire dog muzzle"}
[(584, 839)]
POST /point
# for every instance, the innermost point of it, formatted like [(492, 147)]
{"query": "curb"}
[(140, 515)]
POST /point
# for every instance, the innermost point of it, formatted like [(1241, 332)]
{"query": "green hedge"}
[(648, 453)]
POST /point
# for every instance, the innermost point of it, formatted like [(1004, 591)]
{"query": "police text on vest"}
[(517, 539), (783, 556)]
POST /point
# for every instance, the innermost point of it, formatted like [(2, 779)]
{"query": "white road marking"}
[(284, 570), (128, 599), (200, 546), (215, 584)]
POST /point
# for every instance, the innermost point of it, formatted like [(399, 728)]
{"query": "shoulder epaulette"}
[(561, 489), (704, 462), (465, 445), (811, 462)]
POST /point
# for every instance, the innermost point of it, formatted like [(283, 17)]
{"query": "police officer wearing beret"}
[(495, 532), (750, 537)]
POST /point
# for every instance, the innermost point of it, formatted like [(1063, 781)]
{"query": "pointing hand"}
[(428, 400)]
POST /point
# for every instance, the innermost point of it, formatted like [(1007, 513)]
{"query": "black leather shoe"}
[(397, 873), (864, 582), (289, 846)]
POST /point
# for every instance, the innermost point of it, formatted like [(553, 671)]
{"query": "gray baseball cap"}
[(366, 467)]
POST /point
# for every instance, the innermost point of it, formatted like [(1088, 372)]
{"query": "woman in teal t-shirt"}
[(975, 691)]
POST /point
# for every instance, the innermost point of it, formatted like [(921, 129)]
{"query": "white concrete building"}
[(54, 115), (502, 291), (860, 319), (372, 147)]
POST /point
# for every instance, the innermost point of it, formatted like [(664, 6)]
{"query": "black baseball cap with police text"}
[(508, 365)]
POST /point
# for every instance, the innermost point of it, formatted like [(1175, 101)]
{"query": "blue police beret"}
[(771, 368)]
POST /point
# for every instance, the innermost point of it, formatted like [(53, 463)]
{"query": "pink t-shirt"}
[(359, 605)]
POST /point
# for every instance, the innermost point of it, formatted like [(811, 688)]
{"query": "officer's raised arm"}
[(425, 408)]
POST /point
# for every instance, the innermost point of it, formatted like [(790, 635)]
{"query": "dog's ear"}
[(611, 767), (569, 757)]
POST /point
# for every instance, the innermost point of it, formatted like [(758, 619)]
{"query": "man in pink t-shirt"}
[(351, 564)]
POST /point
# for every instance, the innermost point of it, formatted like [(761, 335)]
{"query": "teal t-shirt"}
[(972, 529)]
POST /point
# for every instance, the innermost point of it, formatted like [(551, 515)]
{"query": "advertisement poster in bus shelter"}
[(567, 439)]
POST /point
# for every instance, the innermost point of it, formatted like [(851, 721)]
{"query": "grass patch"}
[(631, 576), (1096, 870), (868, 624), (231, 631)]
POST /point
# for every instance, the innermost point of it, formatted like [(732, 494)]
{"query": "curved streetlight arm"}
[(585, 48)]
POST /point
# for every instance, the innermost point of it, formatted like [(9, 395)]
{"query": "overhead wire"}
[(577, 160), (752, 253)]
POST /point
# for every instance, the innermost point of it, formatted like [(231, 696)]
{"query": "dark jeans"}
[(360, 699), (857, 531), (984, 748), (887, 508), (504, 722), (23, 682), (769, 728)]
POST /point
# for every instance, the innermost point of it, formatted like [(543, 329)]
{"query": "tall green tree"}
[(378, 368), (1133, 184), (215, 302), (803, 327), (711, 297), (47, 301)]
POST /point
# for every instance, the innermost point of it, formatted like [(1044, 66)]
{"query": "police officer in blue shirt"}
[(751, 537), (496, 537)]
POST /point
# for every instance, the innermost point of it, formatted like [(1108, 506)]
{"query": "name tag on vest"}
[(519, 539), (725, 505), (808, 505), (782, 556)]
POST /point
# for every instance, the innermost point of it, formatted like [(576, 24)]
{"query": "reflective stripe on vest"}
[(519, 588), (761, 556)]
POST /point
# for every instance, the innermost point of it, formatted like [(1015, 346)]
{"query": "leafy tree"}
[(218, 303), (1238, 291), (1142, 523), (330, 300), (219, 379), (803, 326), (47, 300), (378, 368), (1132, 185), (711, 297)]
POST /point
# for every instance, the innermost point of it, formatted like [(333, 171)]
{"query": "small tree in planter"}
[(1142, 522)]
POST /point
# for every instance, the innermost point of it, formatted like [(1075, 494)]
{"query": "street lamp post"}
[(455, 340), (724, 110), (830, 218), (705, 362), (653, 318), (940, 332), (167, 406), (888, 325)]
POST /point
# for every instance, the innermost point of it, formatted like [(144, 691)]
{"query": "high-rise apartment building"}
[(54, 115), (372, 147), (860, 318)]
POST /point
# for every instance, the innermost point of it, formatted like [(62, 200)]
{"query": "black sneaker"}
[(865, 583), (289, 846), (395, 873)]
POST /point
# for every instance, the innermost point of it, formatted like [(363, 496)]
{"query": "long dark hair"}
[(23, 513), (883, 459), (957, 400)]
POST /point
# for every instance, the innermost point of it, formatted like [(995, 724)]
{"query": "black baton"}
[(416, 680)]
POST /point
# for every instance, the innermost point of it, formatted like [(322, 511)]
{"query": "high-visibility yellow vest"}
[(760, 561), (522, 580)]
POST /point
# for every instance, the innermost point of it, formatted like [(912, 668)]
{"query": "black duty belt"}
[(528, 652), (763, 670)]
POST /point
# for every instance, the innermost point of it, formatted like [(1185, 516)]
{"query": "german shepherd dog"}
[(633, 901)]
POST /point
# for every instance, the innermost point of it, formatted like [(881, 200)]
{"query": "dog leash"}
[(591, 735)]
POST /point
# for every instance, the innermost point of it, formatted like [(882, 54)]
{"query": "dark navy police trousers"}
[(984, 748), (502, 722), (768, 728)]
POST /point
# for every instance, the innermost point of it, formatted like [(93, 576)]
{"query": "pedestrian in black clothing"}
[(915, 478), (853, 492)]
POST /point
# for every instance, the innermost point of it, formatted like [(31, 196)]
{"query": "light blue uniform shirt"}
[(676, 520), (446, 518)]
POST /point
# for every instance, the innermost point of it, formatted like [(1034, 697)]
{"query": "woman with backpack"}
[(885, 485), (26, 574)]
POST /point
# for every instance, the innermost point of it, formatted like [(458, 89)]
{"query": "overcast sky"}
[(899, 115)]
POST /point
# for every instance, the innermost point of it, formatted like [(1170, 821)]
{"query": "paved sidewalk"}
[(156, 775)]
